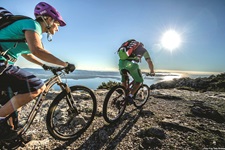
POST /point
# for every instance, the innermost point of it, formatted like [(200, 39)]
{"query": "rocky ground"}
[(171, 119)]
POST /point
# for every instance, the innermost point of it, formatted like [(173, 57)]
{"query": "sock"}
[(2, 118), (14, 103), (131, 95)]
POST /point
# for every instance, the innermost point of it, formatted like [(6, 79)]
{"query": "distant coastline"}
[(93, 79), (85, 74)]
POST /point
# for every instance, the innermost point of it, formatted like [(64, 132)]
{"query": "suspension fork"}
[(69, 98)]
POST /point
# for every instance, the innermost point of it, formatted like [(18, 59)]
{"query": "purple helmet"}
[(44, 9)]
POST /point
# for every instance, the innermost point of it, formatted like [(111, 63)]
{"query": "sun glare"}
[(171, 40)]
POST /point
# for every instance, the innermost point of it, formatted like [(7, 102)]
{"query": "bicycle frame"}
[(117, 98), (130, 85), (56, 79)]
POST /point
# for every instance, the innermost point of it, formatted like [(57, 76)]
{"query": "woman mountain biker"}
[(134, 51), (26, 85)]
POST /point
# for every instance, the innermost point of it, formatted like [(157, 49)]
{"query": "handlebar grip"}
[(150, 74)]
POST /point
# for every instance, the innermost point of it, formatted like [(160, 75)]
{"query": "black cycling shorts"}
[(19, 80)]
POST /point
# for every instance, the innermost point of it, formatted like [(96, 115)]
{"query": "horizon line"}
[(145, 70)]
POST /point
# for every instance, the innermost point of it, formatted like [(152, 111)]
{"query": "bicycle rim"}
[(114, 104), (142, 95), (65, 122)]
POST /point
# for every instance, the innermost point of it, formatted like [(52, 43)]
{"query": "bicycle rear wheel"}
[(141, 96), (69, 116), (114, 104)]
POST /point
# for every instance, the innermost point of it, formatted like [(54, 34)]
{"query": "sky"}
[(96, 28)]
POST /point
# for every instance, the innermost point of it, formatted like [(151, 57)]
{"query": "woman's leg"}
[(17, 101)]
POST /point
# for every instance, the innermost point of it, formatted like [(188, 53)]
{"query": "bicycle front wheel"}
[(70, 114), (114, 104), (141, 96)]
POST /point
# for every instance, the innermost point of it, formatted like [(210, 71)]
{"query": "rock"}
[(153, 132), (176, 126), (212, 83), (37, 144), (207, 112), (103, 136), (162, 123), (169, 97), (149, 142)]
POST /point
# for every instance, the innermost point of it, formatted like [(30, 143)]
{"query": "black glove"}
[(45, 67), (70, 68), (152, 74)]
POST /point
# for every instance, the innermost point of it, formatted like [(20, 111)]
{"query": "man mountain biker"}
[(134, 51), (26, 85)]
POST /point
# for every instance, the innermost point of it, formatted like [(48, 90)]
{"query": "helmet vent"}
[(53, 12)]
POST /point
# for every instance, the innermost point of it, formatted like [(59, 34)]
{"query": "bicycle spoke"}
[(141, 97), (68, 121), (114, 104)]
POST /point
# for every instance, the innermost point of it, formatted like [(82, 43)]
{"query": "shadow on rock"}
[(167, 97), (198, 109), (175, 126), (151, 138), (109, 136)]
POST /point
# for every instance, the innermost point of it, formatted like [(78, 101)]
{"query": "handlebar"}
[(69, 68), (55, 70)]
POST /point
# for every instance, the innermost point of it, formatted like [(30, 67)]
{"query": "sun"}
[(171, 40)]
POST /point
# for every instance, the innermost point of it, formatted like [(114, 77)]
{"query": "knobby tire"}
[(114, 104), (64, 123)]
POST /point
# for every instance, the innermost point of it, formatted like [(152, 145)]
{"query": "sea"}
[(93, 79)]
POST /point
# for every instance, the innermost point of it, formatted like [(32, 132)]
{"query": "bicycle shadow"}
[(125, 129), (110, 129)]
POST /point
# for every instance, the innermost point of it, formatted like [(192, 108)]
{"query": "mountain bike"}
[(70, 113), (116, 100)]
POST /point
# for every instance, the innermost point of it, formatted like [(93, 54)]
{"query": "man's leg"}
[(125, 80), (135, 72), (135, 88)]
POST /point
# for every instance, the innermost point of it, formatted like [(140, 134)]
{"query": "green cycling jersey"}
[(131, 64)]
